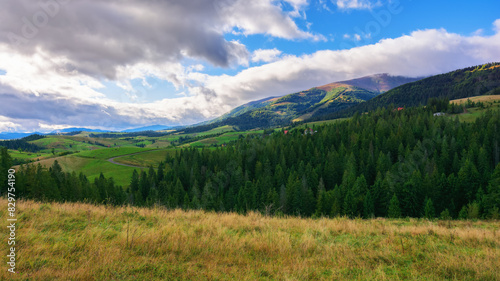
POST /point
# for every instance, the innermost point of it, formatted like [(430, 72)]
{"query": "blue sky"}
[(340, 27), (116, 65)]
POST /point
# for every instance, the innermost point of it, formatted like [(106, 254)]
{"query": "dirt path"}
[(112, 159)]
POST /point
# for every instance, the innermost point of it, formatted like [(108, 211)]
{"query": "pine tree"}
[(368, 206), (208, 201), (429, 209), (134, 183), (350, 205), (5, 165), (394, 211), (321, 208)]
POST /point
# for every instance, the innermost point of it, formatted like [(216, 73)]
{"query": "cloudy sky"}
[(117, 64)]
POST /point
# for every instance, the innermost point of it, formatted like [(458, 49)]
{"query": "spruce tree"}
[(429, 212), (394, 210), (368, 206)]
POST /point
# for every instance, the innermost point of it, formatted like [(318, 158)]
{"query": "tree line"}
[(386, 163), (23, 143)]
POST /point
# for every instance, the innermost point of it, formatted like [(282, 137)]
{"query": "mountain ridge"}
[(461, 83), (332, 97)]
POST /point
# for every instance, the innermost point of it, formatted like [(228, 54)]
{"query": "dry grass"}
[(86, 242), (489, 98)]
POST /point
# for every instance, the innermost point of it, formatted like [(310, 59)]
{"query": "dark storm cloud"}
[(97, 36)]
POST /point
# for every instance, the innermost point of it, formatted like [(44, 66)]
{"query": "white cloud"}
[(8, 126), (421, 53), (267, 55), (49, 128), (496, 26), (478, 32), (97, 38), (56, 79), (356, 4), (263, 17)]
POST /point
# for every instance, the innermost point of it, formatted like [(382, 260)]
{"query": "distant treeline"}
[(23, 143), (127, 135), (387, 163)]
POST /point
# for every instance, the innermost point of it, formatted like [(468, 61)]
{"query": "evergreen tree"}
[(134, 183), (394, 210), (350, 209), (5, 165), (368, 206), (429, 209)]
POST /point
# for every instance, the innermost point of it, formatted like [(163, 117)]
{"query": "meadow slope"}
[(75, 241)]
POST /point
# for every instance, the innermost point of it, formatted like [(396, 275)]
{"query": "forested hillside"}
[(317, 101), (463, 83), (23, 143), (385, 163)]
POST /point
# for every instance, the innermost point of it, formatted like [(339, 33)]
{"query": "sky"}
[(119, 64)]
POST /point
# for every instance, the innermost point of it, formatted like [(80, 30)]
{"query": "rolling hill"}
[(329, 98)]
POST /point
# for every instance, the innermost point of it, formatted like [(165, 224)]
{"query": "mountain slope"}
[(302, 105), (462, 83), (243, 109), (379, 83)]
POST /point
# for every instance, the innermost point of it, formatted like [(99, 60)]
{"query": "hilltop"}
[(468, 82), (317, 101)]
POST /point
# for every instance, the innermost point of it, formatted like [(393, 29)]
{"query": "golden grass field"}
[(488, 98), (86, 242)]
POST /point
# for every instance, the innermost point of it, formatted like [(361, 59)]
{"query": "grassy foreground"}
[(86, 242)]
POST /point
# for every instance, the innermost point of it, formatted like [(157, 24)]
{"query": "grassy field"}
[(29, 155), (86, 242), (224, 138), (92, 163), (491, 102), (146, 159), (323, 122), (106, 153), (489, 98), (92, 168)]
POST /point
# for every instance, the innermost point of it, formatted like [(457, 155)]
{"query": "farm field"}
[(92, 168), (317, 123), (491, 102), (106, 153), (145, 159), (92, 159), (488, 98), (73, 241)]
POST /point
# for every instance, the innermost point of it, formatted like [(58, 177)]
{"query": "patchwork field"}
[(87, 242)]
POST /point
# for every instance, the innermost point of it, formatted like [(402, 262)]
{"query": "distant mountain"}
[(468, 82), (253, 105), (72, 130), (147, 128), (302, 105), (11, 136), (379, 83)]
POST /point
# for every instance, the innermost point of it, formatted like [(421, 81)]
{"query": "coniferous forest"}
[(386, 163)]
